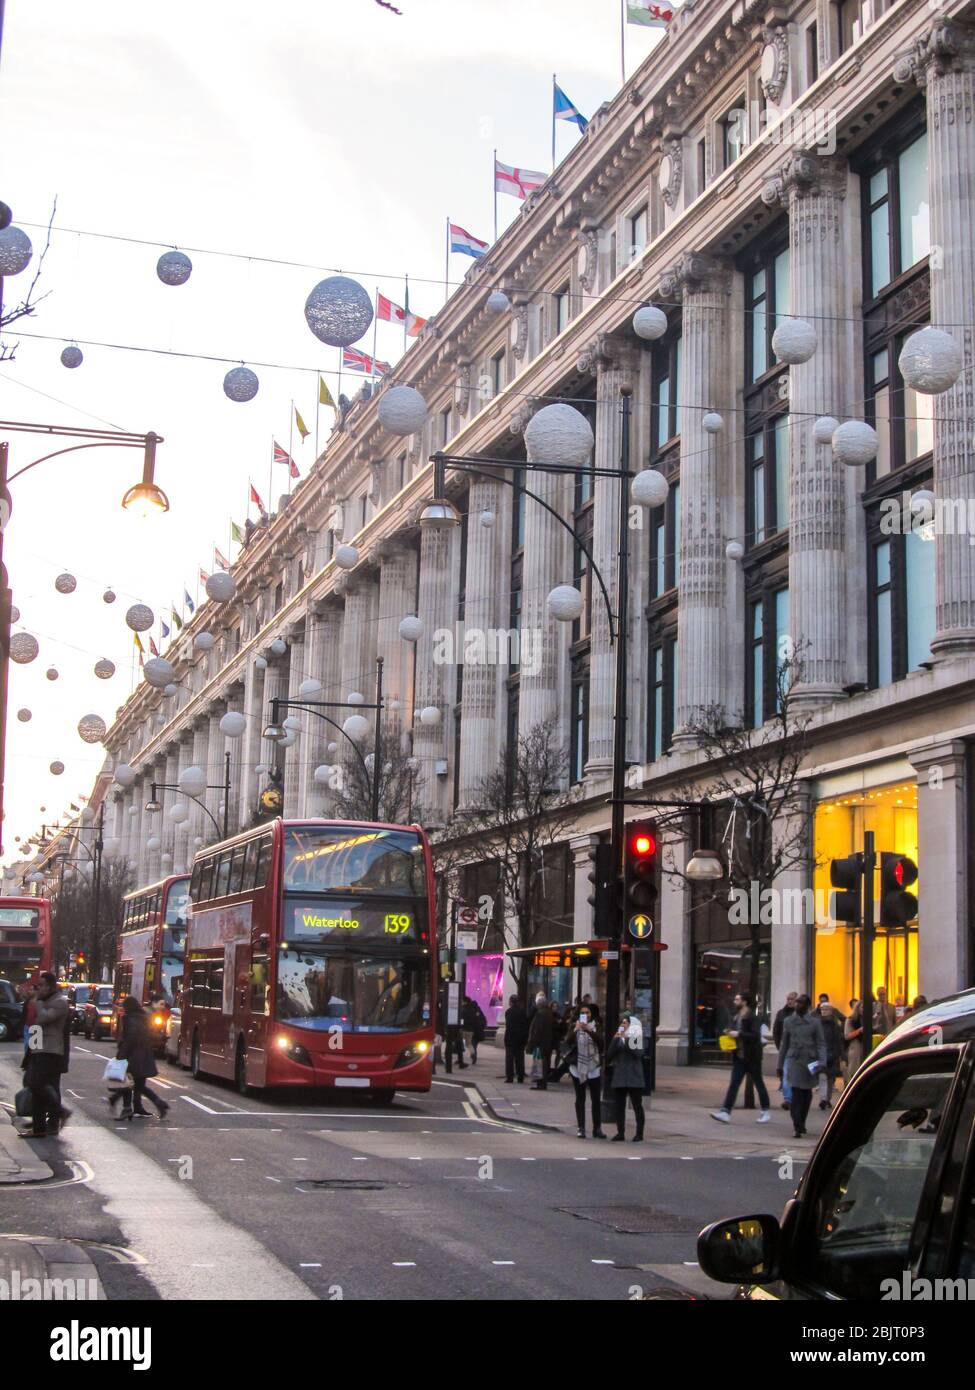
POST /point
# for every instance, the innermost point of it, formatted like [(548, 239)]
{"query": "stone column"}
[(184, 849), (136, 846), (814, 189), (254, 712), (216, 768), (943, 63), (792, 940), (154, 825), (677, 962), (235, 702), (168, 799), (294, 755), (275, 688), (397, 598), (705, 286), (544, 641), (358, 672), (615, 365), (435, 672), (480, 704), (325, 664), (200, 827), (943, 835)]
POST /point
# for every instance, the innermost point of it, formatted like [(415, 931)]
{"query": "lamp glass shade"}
[(438, 514), (704, 866), (145, 500)]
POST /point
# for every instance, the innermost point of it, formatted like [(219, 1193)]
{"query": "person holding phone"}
[(584, 1060), (626, 1055)]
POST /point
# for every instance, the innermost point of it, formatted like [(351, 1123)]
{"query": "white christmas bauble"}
[(402, 410), (140, 617), (23, 648), (565, 603), (931, 361), (650, 488), (292, 723), (221, 587), (192, 781), (261, 769), (824, 429), (332, 749), (278, 647), (204, 641), (153, 843), (497, 302), (488, 518), (308, 689), (104, 669), (197, 841), (338, 311), (170, 689), (233, 724), (712, 423), (855, 443), (322, 774), (240, 384), (734, 550), (559, 434), (355, 698), (260, 663), (91, 728), (158, 672), (922, 502), (794, 341), (356, 727), (346, 557), (174, 268), (430, 716), (125, 775), (179, 812), (649, 322), (411, 628)]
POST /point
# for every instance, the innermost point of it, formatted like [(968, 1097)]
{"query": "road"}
[(235, 1197)]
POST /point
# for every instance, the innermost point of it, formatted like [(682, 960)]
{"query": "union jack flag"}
[(282, 456), (355, 361)]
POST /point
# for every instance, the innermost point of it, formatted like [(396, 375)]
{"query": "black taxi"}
[(886, 1206)]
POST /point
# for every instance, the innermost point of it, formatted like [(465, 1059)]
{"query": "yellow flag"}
[(302, 427), (324, 395)]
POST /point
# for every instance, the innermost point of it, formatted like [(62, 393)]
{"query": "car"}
[(78, 996), (11, 1008), (171, 1044), (98, 1014), (885, 1209)]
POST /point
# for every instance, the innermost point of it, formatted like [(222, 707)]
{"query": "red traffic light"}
[(643, 843)]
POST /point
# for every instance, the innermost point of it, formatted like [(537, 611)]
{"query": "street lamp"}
[(704, 866)]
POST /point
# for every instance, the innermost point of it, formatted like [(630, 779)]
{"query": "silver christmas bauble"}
[(104, 669), (402, 410), (794, 341), (559, 434), (565, 603), (57, 768), (650, 488), (23, 648), (931, 361), (174, 268), (72, 357), (24, 715), (649, 322), (240, 384), (221, 587), (91, 728), (855, 443), (338, 311), (140, 617), (15, 251), (411, 628), (65, 583)]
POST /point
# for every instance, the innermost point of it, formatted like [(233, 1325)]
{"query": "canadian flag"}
[(392, 313)]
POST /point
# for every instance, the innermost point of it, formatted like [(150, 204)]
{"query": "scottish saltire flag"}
[(464, 244), (518, 182), (649, 14), (566, 111), (163, 628), (189, 602)]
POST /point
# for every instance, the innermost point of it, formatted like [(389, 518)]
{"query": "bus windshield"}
[(177, 903), (361, 860), (352, 994)]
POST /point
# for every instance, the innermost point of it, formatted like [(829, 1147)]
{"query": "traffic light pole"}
[(867, 932)]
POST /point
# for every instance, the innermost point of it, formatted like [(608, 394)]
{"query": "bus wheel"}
[(195, 1070), (383, 1097), (240, 1071)]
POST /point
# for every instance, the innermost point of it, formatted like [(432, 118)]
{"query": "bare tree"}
[(28, 305), (73, 912), (520, 812), (750, 787), (400, 784)]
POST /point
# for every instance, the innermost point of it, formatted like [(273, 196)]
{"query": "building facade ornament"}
[(806, 176), (462, 389), (588, 257), (775, 62), (695, 271), (519, 326), (671, 171), (946, 46)]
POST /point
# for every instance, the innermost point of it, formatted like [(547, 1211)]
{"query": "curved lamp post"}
[(153, 804)]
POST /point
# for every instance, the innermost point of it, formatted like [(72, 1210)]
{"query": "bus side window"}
[(222, 877), (237, 870), (259, 988), (198, 984), (250, 865), (263, 861), (215, 983), (206, 881), (195, 883)]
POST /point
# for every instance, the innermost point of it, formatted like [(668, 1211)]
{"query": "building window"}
[(897, 211), (767, 299), (638, 227), (767, 302), (769, 647), (579, 720), (662, 712), (734, 132), (497, 373), (812, 54), (902, 606), (665, 544), (582, 524), (767, 504), (702, 164), (445, 427), (666, 389), (560, 310), (849, 24)]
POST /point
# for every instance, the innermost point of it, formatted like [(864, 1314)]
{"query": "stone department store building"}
[(682, 193)]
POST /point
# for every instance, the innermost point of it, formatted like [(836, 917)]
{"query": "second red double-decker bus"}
[(311, 958), (25, 938), (149, 964)]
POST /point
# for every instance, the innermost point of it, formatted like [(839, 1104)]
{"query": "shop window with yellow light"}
[(839, 826)]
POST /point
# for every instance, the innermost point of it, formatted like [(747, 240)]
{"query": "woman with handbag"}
[(135, 1047)]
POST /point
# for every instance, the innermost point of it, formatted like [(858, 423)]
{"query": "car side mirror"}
[(744, 1250)]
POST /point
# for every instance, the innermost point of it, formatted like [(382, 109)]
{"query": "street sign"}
[(466, 940), (453, 1004), (466, 916), (641, 926)]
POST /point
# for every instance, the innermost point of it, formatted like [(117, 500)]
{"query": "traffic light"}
[(601, 877), (897, 873), (640, 872), (845, 875)]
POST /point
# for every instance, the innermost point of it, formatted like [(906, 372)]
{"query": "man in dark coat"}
[(541, 1031), (515, 1038), (787, 1010), (135, 1047)]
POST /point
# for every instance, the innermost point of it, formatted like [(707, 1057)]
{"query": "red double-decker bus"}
[(151, 946), (311, 958), (25, 938)]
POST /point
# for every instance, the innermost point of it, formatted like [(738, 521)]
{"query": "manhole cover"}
[(637, 1221), (345, 1185)]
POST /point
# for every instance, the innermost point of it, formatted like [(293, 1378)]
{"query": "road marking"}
[(309, 1266), (577, 1158), (81, 1172), (415, 1158), (270, 1179), (199, 1105), (359, 1158), (633, 1158), (77, 1095), (687, 1158), (224, 1129), (502, 1262), (236, 1160), (202, 1266), (404, 1264), (691, 1264), (601, 1262), (528, 1160), (299, 1160)]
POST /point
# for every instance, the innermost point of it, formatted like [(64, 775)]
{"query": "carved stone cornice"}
[(605, 351), (775, 62), (946, 46), (521, 414), (519, 325), (588, 255), (671, 171), (806, 176), (462, 388), (696, 271)]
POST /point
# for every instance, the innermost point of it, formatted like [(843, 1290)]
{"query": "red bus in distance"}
[(26, 946), (311, 958), (152, 945)]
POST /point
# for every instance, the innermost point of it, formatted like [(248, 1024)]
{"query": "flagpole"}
[(291, 443), (318, 406), (553, 121), (446, 264), (270, 474), (375, 331), (623, 43), (494, 181), (406, 306)]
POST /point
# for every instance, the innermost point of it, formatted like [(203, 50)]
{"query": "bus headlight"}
[(292, 1049), (414, 1053)]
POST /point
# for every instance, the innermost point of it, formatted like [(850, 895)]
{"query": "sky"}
[(328, 132)]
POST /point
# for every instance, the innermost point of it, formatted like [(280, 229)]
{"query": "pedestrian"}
[(833, 1038), (626, 1055), (565, 1043), (593, 1009), (787, 1010), (473, 1024), (747, 1061), (515, 1038), (853, 1037), (135, 1047), (44, 1056), (921, 1002), (803, 1047), (540, 1030), (884, 1014), (584, 1060), (838, 1013)]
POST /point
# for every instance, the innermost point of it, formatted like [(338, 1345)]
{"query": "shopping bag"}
[(22, 1103), (537, 1072), (115, 1070)]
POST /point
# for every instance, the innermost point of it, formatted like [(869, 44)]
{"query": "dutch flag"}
[(464, 244)]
